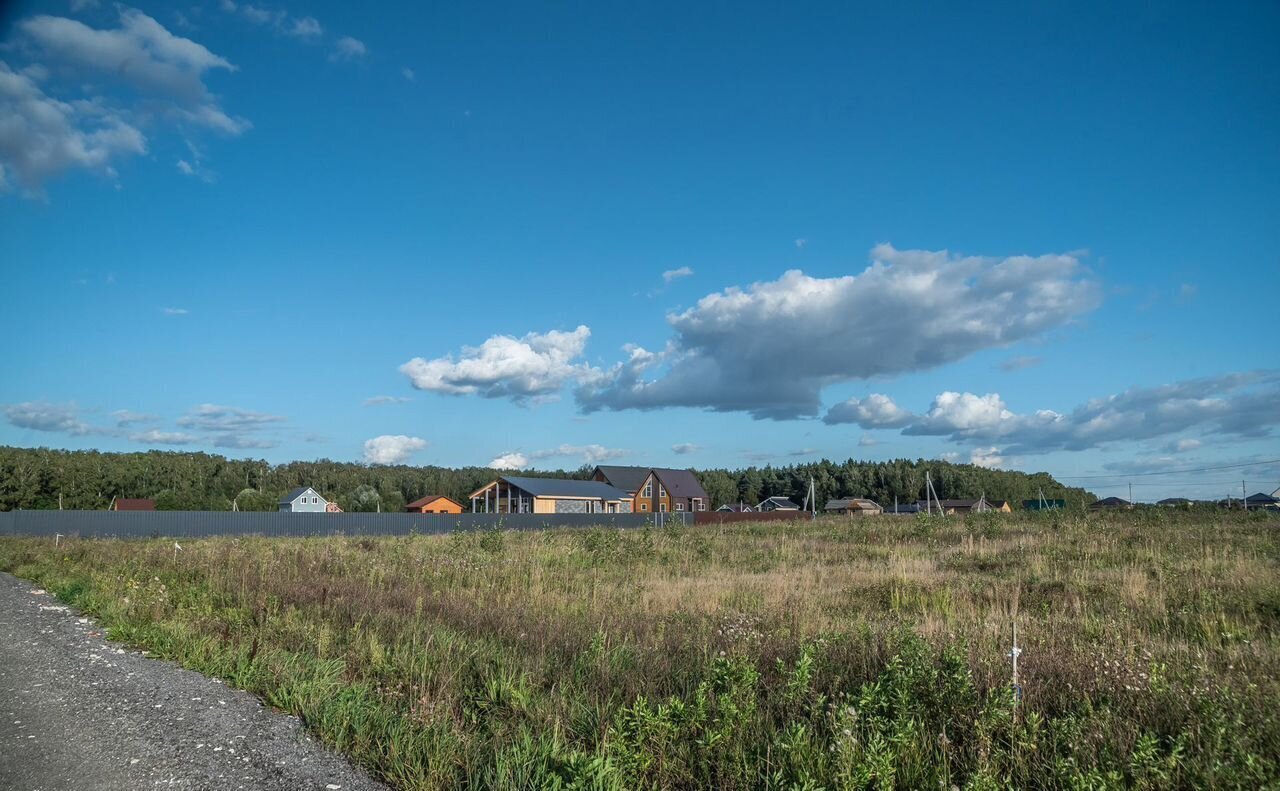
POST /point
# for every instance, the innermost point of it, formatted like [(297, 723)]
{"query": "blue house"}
[(304, 499)]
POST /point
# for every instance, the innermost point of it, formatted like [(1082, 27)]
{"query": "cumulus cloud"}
[(771, 348), (386, 399), (536, 364), (510, 461), (392, 448), (157, 437), (141, 74), (986, 457), (231, 427), (1240, 404), (874, 411), (676, 274), (44, 416), (348, 48), (685, 448), (1183, 445), (866, 441)]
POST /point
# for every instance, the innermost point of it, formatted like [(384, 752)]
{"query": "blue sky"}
[(1046, 240)]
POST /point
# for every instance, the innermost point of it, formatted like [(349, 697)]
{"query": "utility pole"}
[(1130, 492), (1244, 496)]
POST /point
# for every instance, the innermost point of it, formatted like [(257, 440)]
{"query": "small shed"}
[(434, 504), (853, 506), (304, 499), (1002, 506)]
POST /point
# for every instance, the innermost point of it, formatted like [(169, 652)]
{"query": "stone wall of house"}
[(572, 506)]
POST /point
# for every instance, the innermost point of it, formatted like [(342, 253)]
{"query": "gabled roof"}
[(852, 502), (1259, 497), (296, 493), (780, 502), (563, 487), (134, 504), (680, 483), (628, 479), (1173, 501), (737, 508), (963, 503), (422, 502), (1107, 502)]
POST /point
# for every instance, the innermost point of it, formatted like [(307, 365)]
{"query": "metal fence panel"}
[(199, 524)]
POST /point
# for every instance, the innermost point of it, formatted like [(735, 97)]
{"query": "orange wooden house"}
[(434, 504)]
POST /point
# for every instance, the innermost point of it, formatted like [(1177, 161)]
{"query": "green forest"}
[(42, 478)]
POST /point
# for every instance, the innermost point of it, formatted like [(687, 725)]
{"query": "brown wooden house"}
[(656, 489), (434, 504), (132, 504)]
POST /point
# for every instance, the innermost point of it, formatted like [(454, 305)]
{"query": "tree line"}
[(43, 478)]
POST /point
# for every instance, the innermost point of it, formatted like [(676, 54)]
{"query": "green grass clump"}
[(836, 654)]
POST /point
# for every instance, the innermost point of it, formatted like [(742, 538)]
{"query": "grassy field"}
[(834, 654)]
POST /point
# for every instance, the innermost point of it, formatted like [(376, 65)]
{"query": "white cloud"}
[(510, 461), (157, 437), (44, 416), (590, 454), (386, 399), (140, 73), (306, 27), (41, 136), (771, 348), (676, 274), (874, 411), (801, 243), (124, 417), (506, 367), (1183, 445), (685, 448), (986, 457), (1019, 363), (392, 448), (1243, 404), (174, 311), (348, 48), (1187, 292), (866, 441), (231, 427), (408, 74)]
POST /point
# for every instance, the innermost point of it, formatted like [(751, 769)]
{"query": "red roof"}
[(131, 504)]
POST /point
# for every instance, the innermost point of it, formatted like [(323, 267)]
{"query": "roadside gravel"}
[(79, 712)]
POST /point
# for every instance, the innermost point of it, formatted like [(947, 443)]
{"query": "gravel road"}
[(79, 712)]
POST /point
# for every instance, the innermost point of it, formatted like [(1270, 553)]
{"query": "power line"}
[(1167, 472)]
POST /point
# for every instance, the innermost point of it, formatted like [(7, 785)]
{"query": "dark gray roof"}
[(680, 483), (563, 487), (1260, 497), (293, 495), (1173, 501), (737, 508), (860, 502), (628, 479), (781, 502)]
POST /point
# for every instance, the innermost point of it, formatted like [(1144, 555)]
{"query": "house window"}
[(662, 506), (648, 489), (698, 505), (315, 499), (662, 490), (644, 506), (679, 506)]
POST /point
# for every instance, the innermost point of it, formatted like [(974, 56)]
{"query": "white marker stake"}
[(57, 538), (176, 549)]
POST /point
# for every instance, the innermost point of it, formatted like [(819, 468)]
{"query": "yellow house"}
[(518, 495)]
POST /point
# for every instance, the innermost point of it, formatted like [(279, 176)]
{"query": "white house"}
[(304, 499)]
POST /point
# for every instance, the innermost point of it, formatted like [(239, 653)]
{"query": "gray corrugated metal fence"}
[(197, 524)]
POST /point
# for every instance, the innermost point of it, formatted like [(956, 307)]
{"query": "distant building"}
[(434, 504), (1110, 502), (304, 499), (1002, 506), (1260, 500), (854, 506), (903, 509), (517, 495), (332, 508), (736, 508), (1174, 502), (132, 504), (951, 507), (655, 488), (777, 504)]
